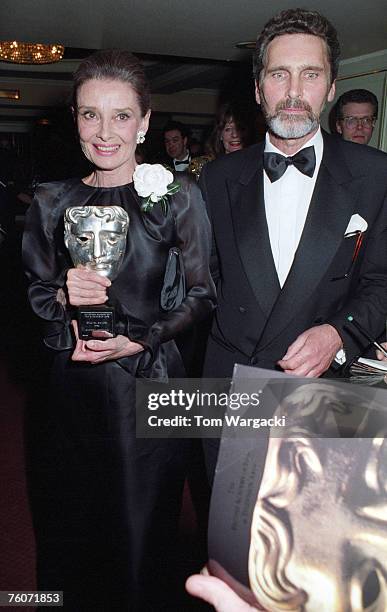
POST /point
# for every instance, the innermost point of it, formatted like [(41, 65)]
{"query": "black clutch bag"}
[(173, 291)]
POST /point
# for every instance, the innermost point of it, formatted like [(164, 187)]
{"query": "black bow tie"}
[(182, 162), (275, 164)]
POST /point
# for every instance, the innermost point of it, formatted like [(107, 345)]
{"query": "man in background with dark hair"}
[(356, 113), (176, 145)]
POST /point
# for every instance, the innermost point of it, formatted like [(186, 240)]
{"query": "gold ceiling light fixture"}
[(30, 53), (10, 94)]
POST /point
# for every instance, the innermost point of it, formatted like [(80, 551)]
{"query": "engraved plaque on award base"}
[(95, 322)]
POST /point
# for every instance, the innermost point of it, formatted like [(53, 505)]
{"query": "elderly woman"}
[(105, 503)]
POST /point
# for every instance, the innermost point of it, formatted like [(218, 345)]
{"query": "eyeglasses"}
[(352, 122)]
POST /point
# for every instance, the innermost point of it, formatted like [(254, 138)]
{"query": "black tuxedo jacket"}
[(256, 321)]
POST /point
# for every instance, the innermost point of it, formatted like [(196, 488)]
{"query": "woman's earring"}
[(140, 137)]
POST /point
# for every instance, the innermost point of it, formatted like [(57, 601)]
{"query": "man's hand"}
[(217, 593), (312, 352), (380, 355), (86, 287), (96, 351)]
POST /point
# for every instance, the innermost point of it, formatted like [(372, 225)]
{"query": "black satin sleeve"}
[(193, 237), (46, 265)]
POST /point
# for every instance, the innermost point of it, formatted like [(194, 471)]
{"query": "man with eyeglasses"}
[(356, 114)]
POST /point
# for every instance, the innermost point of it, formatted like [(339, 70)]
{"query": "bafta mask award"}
[(298, 519), (96, 239)]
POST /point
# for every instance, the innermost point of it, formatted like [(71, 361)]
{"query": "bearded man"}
[(299, 221)]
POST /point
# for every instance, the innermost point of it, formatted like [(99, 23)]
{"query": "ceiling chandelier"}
[(30, 53)]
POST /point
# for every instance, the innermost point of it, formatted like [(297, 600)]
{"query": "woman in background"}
[(233, 130)]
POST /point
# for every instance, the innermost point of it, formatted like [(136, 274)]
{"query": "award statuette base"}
[(95, 322)]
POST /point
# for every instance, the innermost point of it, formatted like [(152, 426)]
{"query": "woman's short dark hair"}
[(118, 65), (297, 21)]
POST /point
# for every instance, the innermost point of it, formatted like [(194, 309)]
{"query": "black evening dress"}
[(105, 504)]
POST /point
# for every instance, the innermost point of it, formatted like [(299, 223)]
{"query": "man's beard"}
[(288, 125)]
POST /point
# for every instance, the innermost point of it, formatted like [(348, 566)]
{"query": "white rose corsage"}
[(154, 183)]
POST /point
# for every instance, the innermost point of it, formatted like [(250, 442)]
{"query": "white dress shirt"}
[(181, 165), (287, 203)]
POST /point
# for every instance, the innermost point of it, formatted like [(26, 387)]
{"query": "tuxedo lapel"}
[(251, 233), (333, 202)]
